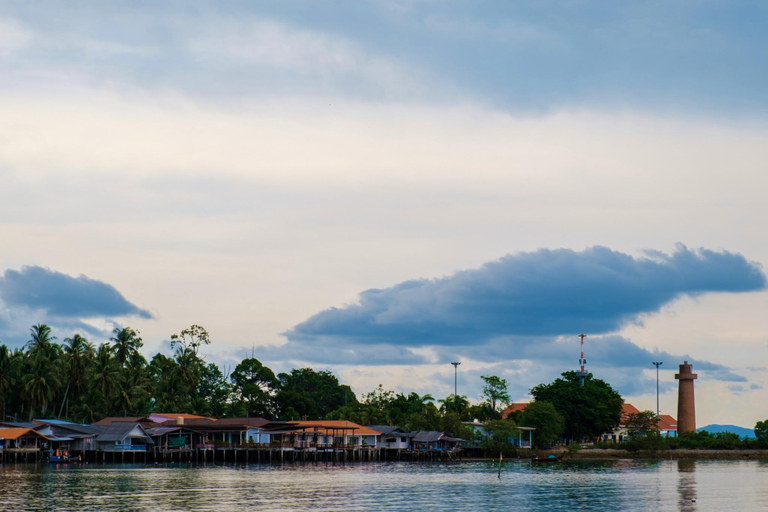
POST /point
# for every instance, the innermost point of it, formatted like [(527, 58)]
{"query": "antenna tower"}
[(582, 374)]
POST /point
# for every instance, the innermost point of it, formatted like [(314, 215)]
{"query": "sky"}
[(381, 187)]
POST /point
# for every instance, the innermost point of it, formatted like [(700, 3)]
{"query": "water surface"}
[(578, 485)]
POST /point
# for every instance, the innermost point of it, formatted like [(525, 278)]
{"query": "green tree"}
[(254, 384), (761, 431), (127, 343), (7, 377), (78, 353), (453, 403), (41, 340), (498, 438), (311, 393), (545, 419), (106, 374), (495, 390), (41, 382), (216, 393), (588, 410), (191, 338), (640, 423)]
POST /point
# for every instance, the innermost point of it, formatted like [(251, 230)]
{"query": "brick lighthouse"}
[(686, 407)]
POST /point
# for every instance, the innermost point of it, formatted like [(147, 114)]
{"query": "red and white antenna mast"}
[(582, 374)]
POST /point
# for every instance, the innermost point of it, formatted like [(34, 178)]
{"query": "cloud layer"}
[(541, 293), (60, 295)]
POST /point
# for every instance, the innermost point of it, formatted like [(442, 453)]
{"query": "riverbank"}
[(698, 454), (611, 454)]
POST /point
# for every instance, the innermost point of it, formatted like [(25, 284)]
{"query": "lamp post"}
[(657, 364), (455, 380)]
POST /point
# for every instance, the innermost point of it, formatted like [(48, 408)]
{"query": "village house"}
[(334, 434), (393, 438), (434, 440), (124, 436)]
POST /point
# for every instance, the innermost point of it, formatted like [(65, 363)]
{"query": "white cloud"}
[(275, 44), (13, 36)]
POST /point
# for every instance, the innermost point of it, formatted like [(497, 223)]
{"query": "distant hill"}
[(741, 431)]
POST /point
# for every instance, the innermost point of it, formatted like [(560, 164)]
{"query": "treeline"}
[(82, 382), (79, 381), (643, 437)]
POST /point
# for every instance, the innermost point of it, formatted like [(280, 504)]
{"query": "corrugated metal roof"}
[(427, 436), (121, 430)]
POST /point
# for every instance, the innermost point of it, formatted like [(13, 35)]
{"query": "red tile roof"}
[(667, 422), (513, 408), (627, 409)]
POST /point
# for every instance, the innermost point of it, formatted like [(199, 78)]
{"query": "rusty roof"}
[(15, 433)]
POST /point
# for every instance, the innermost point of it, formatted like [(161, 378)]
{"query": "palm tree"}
[(7, 377), (78, 351), (187, 368), (454, 403), (41, 339), (106, 373), (127, 343), (41, 383)]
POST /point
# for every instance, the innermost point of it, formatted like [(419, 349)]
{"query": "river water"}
[(569, 486)]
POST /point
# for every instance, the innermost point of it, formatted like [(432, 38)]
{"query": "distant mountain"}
[(741, 431)]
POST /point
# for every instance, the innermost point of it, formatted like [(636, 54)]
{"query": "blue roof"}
[(58, 422)]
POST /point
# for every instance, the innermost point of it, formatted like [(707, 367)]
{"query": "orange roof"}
[(513, 408), (15, 433), (667, 422), (627, 409), (340, 427)]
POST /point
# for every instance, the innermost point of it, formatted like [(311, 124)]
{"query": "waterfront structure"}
[(434, 440), (392, 438), (667, 425), (686, 406), (124, 436)]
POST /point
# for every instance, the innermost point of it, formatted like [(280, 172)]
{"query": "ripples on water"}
[(600, 486)]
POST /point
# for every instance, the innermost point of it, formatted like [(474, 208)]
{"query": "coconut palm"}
[(41, 339), (7, 376), (78, 353), (127, 343), (454, 403), (40, 383), (106, 373)]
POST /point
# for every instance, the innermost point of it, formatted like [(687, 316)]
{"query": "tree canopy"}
[(588, 411)]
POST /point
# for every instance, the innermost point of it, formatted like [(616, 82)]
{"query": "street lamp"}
[(657, 364), (455, 379)]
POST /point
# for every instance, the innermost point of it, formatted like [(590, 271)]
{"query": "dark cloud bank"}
[(60, 300), (523, 306)]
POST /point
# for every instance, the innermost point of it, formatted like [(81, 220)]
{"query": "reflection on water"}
[(686, 484), (596, 486)]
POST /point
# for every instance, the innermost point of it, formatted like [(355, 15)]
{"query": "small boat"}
[(62, 458)]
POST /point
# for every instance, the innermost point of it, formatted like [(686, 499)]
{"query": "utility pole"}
[(657, 364), (455, 380)]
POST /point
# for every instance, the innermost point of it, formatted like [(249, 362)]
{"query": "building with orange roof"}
[(667, 425), (512, 408), (334, 433), (21, 439)]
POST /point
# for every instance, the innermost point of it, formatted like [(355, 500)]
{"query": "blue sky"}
[(288, 174)]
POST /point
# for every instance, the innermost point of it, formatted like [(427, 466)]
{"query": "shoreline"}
[(609, 454)]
